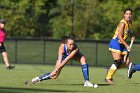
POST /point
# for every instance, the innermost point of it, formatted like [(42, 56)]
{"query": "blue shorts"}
[(115, 46)]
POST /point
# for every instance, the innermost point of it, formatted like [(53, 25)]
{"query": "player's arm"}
[(74, 51), (68, 57), (132, 37), (0, 44), (59, 60), (120, 35), (60, 54)]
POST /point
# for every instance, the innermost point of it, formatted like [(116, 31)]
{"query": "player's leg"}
[(132, 69), (80, 58), (124, 62), (6, 61), (47, 76), (113, 67)]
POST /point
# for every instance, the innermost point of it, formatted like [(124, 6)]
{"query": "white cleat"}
[(35, 80), (88, 84)]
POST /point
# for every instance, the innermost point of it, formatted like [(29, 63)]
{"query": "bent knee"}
[(83, 60)]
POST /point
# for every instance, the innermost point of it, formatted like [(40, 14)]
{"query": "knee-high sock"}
[(111, 71), (45, 77), (136, 67), (85, 71)]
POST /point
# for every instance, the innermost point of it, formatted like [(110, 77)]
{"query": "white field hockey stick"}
[(128, 52)]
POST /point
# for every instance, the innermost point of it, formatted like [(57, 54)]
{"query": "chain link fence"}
[(44, 51)]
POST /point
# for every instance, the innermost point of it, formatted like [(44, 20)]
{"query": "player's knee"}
[(4, 54), (117, 63), (83, 60)]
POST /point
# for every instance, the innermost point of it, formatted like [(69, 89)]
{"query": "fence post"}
[(96, 51), (16, 51), (44, 51)]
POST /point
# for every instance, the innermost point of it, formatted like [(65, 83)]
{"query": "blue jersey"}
[(65, 54)]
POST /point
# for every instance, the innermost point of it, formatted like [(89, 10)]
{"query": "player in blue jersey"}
[(67, 50)]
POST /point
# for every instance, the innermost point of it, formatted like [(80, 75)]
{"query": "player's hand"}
[(0, 44), (128, 48), (54, 71), (133, 38)]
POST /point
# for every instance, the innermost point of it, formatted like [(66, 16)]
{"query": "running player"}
[(118, 45), (67, 50), (2, 47)]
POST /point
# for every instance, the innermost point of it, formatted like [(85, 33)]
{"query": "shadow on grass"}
[(103, 84), (30, 90), (81, 84)]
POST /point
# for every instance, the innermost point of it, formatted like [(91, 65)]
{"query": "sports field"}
[(69, 81)]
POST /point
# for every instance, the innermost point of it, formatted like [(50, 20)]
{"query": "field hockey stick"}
[(128, 52), (28, 83)]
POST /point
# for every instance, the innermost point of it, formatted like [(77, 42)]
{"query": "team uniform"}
[(117, 47), (115, 44), (2, 47), (65, 54), (2, 39)]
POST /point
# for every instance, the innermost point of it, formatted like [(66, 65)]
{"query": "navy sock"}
[(45, 77), (85, 71), (136, 67)]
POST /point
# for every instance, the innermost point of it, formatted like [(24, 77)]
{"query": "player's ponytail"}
[(65, 39)]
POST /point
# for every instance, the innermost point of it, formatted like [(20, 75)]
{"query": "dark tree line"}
[(92, 19)]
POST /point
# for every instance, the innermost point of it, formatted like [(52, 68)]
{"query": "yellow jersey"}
[(126, 32)]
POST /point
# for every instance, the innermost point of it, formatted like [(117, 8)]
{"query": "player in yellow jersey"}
[(118, 45)]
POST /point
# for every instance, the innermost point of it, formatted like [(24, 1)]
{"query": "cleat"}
[(10, 67), (35, 80), (88, 84), (130, 70), (109, 81)]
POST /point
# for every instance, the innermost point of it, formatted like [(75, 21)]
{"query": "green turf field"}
[(69, 81)]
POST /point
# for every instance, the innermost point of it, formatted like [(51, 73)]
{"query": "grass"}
[(69, 81)]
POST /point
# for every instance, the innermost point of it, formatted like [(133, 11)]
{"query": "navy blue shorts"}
[(2, 48)]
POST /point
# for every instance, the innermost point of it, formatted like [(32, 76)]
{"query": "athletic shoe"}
[(130, 70), (10, 67), (88, 84), (35, 80)]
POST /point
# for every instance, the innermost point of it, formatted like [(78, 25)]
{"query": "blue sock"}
[(85, 71), (136, 67), (45, 77)]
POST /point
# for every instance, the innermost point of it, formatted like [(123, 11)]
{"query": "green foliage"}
[(93, 19)]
